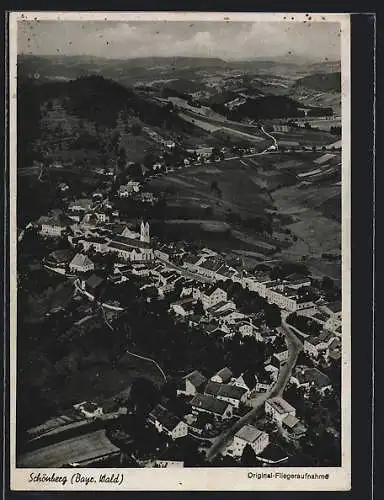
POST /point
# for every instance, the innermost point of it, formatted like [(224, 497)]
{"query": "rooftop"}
[(210, 404), (196, 378), (249, 433), (129, 242), (224, 390), (81, 260), (167, 419), (225, 374), (280, 405)]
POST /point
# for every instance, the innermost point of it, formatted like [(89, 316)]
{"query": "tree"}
[(136, 129), (272, 316), (199, 309), (327, 283), (248, 458)]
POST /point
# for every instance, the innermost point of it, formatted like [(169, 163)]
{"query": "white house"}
[(279, 409), (166, 422), (81, 264), (54, 226), (212, 295), (249, 434)]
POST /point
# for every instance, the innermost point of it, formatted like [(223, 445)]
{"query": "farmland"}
[(215, 204)]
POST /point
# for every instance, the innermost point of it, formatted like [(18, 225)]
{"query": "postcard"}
[(180, 251)]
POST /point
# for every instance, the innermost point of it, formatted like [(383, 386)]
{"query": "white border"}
[(192, 479)]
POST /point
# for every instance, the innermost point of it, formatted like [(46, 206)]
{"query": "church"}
[(133, 249)]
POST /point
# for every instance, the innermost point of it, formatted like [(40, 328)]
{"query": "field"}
[(305, 220), (78, 449), (305, 137)]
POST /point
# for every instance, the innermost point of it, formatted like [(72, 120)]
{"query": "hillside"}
[(326, 82), (87, 114)]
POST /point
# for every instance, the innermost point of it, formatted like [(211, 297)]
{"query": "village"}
[(240, 414)]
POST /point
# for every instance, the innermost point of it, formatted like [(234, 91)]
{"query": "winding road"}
[(294, 348)]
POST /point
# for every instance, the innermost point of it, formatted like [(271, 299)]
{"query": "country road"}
[(294, 347)]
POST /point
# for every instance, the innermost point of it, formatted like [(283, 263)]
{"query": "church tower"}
[(144, 232)]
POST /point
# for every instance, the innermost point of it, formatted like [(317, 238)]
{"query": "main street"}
[(294, 347)]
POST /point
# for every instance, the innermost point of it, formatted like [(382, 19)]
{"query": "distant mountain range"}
[(126, 71)]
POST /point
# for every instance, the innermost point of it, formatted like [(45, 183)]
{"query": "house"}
[(183, 307), (58, 260), (202, 403), (75, 215), (223, 376), (162, 253), (283, 297), (140, 270), (227, 392), (80, 205), (314, 346), (246, 380), (246, 328), (334, 312), (128, 233), (258, 283), (81, 264), (294, 427), (303, 376), (272, 368), (281, 354), (220, 309), (296, 281), (333, 351), (194, 383), (168, 423), (168, 464), (54, 226), (89, 409), (229, 317), (148, 197), (265, 381), (128, 189), (279, 409), (97, 243), (212, 295), (192, 262), (252, 436), (93, 284), (209, 267)]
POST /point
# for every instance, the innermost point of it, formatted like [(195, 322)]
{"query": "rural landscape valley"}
[(178, 259)]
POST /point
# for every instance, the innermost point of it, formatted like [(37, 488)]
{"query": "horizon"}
[(260, 59), (230, 42)]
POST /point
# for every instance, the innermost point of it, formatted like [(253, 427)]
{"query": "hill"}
[(89, 113), (326, 82)]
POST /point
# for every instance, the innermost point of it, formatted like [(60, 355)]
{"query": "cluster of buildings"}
[(134, 190)]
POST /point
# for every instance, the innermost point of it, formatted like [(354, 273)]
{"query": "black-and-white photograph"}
[(179, 245)]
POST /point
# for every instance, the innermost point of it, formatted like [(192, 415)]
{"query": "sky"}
[(226, 40)]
